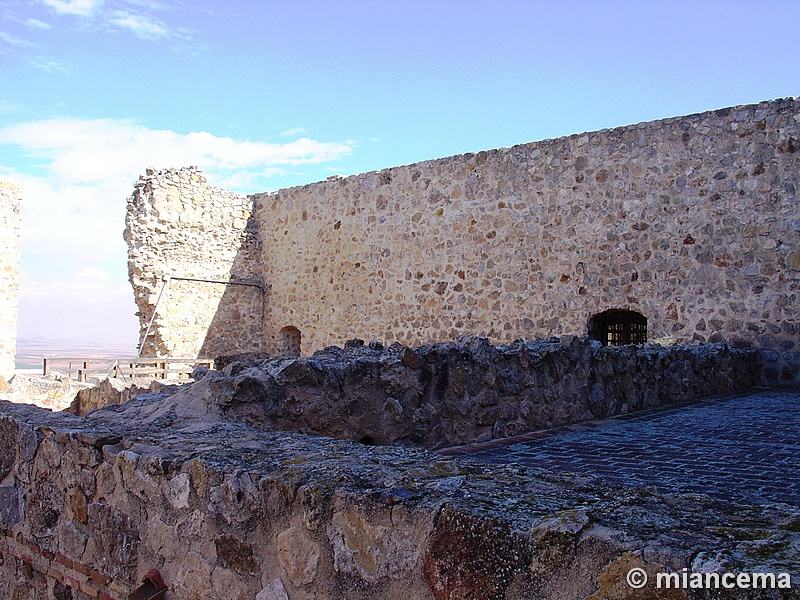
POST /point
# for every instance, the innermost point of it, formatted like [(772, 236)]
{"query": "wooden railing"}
[(159, 368), (81, 368)]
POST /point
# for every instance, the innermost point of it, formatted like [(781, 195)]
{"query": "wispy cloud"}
[(49, 65), (82, 8), (136, 17), (13, 40), (142, 26), (150, 4), (36, 24), (88, 304), (293, 131)]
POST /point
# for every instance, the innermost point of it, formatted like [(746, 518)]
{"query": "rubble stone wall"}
[(89, 506), (181, 229), (458, 393), (10, 221), (692, 221)]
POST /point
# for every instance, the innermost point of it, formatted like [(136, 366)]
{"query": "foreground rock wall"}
[(89, 506), (10, 217), (181, 229), (692, 221), (458, 393)]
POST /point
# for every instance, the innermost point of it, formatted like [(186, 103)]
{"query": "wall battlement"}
[(690, 221), (10, 222)]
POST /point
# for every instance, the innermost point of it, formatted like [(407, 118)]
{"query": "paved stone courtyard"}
[(742, 448)]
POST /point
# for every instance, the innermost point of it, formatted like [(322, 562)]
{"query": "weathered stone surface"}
[(116, 537), (457, 393), (10, 505), (469, 557), (202, 235), (108, 391), (235, 554), (299, 555), (274, 591), (553, 541), (54, 391), (370, 551), (386, 522), (43, 508)]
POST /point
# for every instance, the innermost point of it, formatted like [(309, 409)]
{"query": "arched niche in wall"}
[(617, 327), (289, 341)]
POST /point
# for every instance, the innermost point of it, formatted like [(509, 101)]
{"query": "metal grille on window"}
[(619, 327)]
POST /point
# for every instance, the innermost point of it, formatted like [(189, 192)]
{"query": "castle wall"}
[(10, 209), (691, 221), (177, 226)]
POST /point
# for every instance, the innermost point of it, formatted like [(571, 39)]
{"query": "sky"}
[(269, 94)]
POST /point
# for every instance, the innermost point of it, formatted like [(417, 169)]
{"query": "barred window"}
[(618, 327)]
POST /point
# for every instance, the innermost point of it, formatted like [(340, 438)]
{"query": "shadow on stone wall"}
[(237, 323)]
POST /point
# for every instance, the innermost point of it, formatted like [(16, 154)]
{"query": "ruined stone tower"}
[(10, 208)]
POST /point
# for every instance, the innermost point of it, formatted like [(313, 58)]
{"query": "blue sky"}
[(265, 95)]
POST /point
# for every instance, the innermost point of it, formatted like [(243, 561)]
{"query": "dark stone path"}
[(742, 448)]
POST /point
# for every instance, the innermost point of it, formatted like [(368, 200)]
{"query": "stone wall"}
[(183, 235), (691, 221), (222, 511), (10, 217), (458, 393)]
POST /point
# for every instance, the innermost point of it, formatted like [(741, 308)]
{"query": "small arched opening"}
[(289, 341), (618, 327)]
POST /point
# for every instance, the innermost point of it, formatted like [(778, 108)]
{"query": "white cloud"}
[(293, 131), (13, 40), (142, 26), (83, 8), (36, 24), (49, 65), (150, 4), (100, 150)]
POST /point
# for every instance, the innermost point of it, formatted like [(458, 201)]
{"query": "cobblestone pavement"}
[(743, 448)]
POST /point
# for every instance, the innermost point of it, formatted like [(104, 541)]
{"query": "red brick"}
[(34, 547), (99, 578), (47, 554), (63, 560), (26, 559), (104, 596), (81, 568), (55, 574)]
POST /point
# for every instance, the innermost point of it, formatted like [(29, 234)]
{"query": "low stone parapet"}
[(467, 391), (89, 506)]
